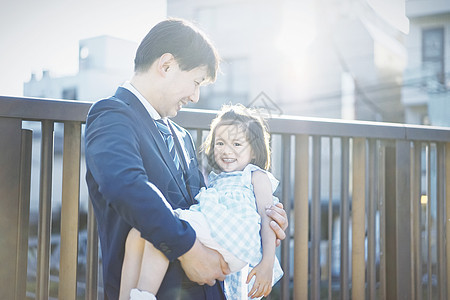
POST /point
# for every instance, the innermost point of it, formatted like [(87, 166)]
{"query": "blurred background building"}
[(104, 62), (366, 60), (426, 81)]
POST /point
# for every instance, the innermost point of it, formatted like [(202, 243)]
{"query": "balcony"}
[(369, 205)]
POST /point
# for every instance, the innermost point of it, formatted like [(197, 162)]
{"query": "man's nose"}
[(196, 95)]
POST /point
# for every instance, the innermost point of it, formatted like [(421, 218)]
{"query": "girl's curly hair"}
[(254, 127)]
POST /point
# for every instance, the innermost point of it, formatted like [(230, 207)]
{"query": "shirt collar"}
[(150, 109)]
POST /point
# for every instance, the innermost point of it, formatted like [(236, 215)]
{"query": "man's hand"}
[(204, 265), (279, 221)]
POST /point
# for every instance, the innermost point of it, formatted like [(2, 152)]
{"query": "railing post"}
[(398, 221), (345, 165), (15, 162), (429, 220), (91, 255), (330, 220), (70, 211), (441, 221), (24, 213), (373, 180), (301, 213), (315, 218), (285, 249), (45, 207), (358, 218), (381, 199), (447, 212), (416, 223)]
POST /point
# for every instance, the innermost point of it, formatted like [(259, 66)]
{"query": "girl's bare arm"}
[(263, 271)]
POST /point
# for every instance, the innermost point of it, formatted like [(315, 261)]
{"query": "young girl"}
[(229, 217)]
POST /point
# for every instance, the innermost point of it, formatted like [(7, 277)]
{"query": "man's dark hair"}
[(190, 47)]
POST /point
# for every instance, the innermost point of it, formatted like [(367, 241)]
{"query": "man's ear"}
[(165, 62)]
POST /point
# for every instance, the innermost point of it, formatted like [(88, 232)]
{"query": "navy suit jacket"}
[(132, 180)]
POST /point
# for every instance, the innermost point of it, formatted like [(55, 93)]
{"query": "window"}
[(70, 93), (433, 55)]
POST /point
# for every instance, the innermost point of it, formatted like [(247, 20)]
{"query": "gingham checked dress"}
[(229, 205)]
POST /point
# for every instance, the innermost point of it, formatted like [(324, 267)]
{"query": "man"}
[(131, 173)]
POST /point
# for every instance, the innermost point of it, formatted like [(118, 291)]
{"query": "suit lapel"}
[(149, 124)]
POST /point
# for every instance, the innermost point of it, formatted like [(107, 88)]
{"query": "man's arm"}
[(114, 159)]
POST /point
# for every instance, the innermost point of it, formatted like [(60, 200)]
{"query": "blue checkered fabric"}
[(168, 139), (229, 205)]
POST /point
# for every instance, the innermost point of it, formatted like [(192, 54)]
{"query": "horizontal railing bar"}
[(67, 110), (427, 133), (195, 118), (43, 109)]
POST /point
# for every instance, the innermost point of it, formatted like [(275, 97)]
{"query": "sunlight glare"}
[(298, 29)]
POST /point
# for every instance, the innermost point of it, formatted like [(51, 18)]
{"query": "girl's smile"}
[(232, 151)]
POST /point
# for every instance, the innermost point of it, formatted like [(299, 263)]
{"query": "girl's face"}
[(232, 151)]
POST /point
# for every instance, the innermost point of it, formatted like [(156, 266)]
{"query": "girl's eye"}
[(219, 143), (237, 144)]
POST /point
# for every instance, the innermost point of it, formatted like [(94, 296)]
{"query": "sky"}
[(43, 35)]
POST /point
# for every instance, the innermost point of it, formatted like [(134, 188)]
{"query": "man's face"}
[(180, 88), (232, 151)]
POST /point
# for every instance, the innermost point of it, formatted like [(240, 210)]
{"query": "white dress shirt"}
[(150, 109)]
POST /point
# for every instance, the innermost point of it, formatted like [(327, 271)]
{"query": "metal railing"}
[(368, 203)]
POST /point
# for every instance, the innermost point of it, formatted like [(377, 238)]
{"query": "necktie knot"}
[(163, 128)]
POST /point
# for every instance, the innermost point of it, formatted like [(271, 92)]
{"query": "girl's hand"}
[(263, 280)]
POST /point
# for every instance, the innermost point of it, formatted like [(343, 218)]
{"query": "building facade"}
[(104, 63), (426, 83), (364, 60), (338, 59)]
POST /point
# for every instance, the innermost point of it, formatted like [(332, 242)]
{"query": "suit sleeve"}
[(113, 157)]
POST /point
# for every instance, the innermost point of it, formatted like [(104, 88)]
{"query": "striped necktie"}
[(168, 138)]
